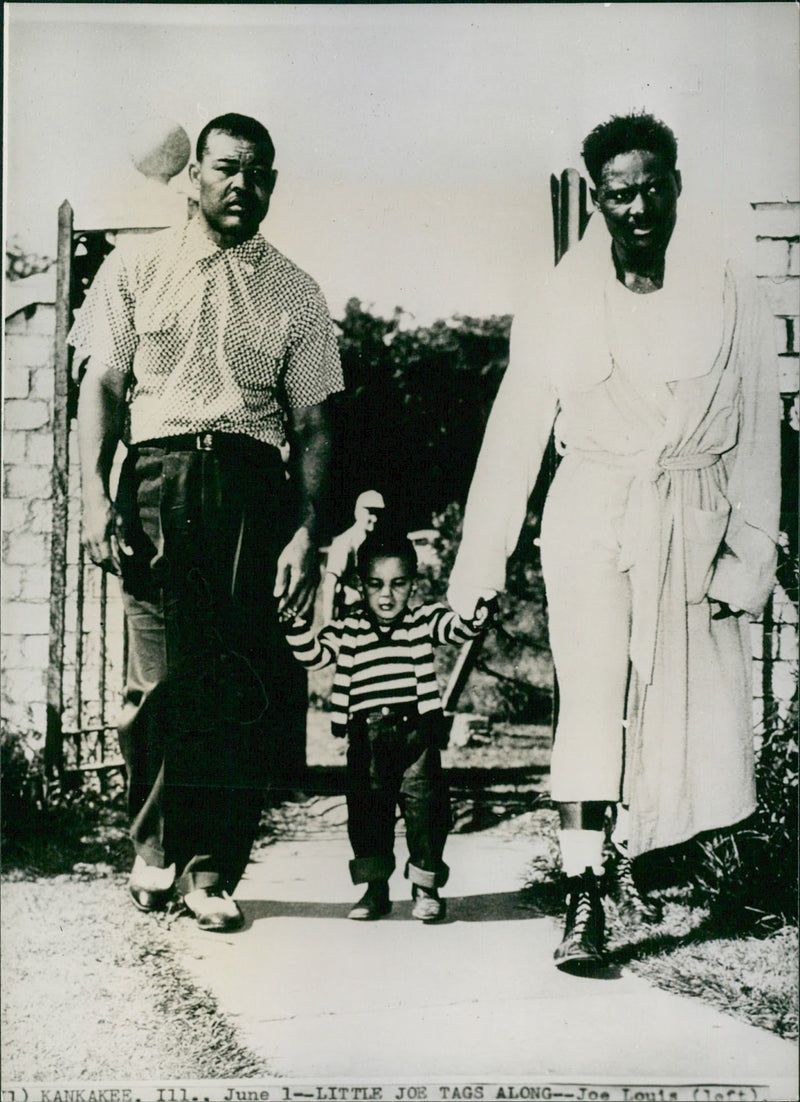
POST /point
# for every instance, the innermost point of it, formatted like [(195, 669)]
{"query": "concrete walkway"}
[(475, 998)]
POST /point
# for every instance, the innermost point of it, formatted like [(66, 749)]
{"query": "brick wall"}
[(777, 227), (27, 516)]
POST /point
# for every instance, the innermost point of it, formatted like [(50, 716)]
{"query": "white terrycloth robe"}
[(666, 408)]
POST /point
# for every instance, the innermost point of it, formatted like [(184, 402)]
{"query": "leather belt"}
[(220, 442)]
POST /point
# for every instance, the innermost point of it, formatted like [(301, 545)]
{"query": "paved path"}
[(476, 997)]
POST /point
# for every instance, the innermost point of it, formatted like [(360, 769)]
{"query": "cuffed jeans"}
[(209, 679), (392, 760)]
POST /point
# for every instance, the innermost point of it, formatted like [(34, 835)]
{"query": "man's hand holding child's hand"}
[(484, 611), (291, 621)]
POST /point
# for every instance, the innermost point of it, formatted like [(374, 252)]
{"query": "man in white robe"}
[(652, 358)]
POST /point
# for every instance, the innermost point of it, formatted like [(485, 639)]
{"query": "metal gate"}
[(87, 635)]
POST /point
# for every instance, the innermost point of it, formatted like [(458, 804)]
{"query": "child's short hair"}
[(383, 543)]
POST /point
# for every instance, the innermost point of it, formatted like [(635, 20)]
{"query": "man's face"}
[(235, 179), (638, 197), (387, 588)]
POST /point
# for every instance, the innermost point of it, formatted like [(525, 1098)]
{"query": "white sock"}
[(151, 878), (581, 850), (619, 835)]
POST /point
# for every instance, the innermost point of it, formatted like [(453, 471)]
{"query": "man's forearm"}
[(311, 465), (100, 413), (100, 418), (328, 596)]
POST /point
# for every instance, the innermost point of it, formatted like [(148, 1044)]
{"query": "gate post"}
[(53, 747), (570, 213)]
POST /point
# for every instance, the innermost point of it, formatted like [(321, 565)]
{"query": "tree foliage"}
[(20, 264), (411, 418), (410, 423)]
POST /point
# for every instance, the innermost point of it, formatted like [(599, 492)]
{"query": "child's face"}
[(387, 587)]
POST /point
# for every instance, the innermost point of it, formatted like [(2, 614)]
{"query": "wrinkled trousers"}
[(393, 760), (209, 681)]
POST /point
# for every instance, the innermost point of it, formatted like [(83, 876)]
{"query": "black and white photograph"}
[(400, 552)]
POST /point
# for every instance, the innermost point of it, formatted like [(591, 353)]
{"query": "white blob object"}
[(160, 148)]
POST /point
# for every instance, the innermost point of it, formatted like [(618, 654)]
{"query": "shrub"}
[(23, 786), (52, 833), (512, 680), (748, 876)]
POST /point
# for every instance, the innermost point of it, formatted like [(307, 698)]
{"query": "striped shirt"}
[(378, 667)]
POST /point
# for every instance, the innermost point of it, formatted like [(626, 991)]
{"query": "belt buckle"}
[(204, 441)]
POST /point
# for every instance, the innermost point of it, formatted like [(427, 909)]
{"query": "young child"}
[(386, 700)]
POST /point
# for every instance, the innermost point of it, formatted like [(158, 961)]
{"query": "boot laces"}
[(625, 876), (626, 885), (583, 909)]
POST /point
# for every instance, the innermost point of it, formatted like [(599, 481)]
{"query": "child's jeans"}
[(393, 758)]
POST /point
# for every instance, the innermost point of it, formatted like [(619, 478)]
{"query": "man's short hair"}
[(624, 133), (236, 126), (386, 543)]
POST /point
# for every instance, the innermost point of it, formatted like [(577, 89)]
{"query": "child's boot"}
[(374, 903), (427, 907)]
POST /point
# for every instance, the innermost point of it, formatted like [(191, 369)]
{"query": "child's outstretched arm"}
[(448, 626), (312, 651)]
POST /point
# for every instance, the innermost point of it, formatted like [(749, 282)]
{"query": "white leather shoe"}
[(214, 910)]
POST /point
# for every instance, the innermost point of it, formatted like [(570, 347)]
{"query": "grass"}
[(750, 975), (91, 991), (751, 978), (91, 987)]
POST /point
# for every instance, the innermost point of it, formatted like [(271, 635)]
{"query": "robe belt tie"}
[(652, 539), (648, 467)]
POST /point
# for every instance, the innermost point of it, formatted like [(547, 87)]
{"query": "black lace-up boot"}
[(581, 949), (630, 904)]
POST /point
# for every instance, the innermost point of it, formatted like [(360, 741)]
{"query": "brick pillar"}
[(28, 454)]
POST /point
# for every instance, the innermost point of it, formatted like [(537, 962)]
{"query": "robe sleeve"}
[(511, 454), (745, 571)]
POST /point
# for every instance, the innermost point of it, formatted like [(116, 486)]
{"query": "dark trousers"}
[(210, 682), (392, 760)]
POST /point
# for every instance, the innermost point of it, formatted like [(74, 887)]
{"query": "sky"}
[(414, 142)]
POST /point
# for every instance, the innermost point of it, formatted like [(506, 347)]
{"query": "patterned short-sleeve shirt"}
[(211, 339)]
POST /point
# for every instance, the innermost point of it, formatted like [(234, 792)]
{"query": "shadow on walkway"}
[(497, 907)]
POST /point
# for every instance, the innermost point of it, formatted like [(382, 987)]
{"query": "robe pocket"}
[(704, 530)]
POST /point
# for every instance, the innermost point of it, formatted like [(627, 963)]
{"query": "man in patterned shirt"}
[(208, 352)]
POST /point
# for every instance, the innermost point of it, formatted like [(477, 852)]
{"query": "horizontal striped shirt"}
[(375, 666)]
